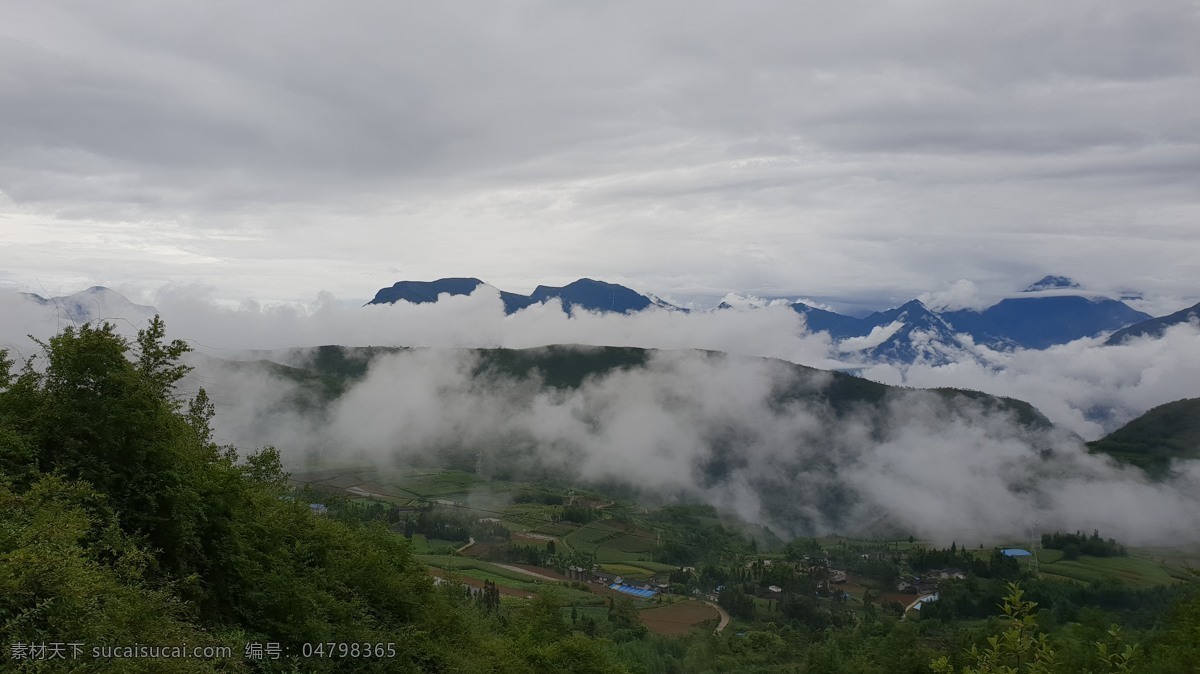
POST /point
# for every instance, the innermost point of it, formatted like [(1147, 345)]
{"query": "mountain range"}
[(1155, 327), (1053, 310), (95, 303), (585, 293)]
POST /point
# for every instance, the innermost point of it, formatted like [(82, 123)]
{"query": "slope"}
[(1153, 440), (1155, 327)]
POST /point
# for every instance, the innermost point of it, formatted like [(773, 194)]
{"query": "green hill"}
[(328, 371), (1151, 441)]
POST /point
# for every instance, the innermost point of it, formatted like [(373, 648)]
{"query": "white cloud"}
[(962, 294), (878, 335), (703, 427), (832, 150), (939, 472)]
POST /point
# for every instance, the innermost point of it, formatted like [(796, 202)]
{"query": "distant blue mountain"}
[(594, 296), (424, 292), (1038, 321), (585, 293), (923, 335), (1045, 313), (1154, 327), (837, 325), (1041, 322), (1052, 283)]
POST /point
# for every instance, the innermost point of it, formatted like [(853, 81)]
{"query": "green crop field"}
[(590, 534), (439, 546), (436, 484), (420, 544), (653, 567), (534, 514), (636, 541), (626, 570), (1133, 570), (1047, 556), (525, 585)]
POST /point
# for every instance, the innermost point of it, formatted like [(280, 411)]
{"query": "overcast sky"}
[(853, 150)]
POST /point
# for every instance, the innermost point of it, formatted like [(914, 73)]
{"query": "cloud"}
[(701, 425), (835, 151), (1083, 386), (878, 335), (709, 427), (962, 294)]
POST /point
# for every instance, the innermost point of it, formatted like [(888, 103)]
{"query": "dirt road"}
[(724, 616), (527, 572)]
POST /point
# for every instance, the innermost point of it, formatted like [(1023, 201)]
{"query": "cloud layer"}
[(844, 150), (710, 428), (1082, 386), (699, 425)]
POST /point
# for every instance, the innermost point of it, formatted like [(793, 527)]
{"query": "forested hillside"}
[(1153, 440), (126, 530), (122, 523)]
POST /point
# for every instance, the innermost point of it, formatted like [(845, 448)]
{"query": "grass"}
[(627, 570), (638, 541), (655, 567), (1133, 570), (463, 564), (591, 534), (533, 514), (437, 484), (438, 545), (1048, 556)]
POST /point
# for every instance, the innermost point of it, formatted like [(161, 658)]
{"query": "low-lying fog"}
[(702, 427)]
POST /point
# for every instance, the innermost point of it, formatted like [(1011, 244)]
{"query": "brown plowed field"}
[(677, 618)]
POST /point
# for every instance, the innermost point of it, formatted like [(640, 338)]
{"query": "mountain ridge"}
[(1154, 327)]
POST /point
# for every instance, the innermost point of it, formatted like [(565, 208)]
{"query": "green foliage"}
[(67, 569), (1153, 440), (121, 522), (1114, 654), (1022, 647), (1076, 544), (1177, 648)]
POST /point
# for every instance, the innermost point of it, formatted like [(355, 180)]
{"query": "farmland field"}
[(626, 570), (1133, 570), (654, 567), (459, 564), (420, 544), (677, 618), (1048, 556)]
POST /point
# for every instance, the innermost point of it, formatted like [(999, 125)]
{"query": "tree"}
[(1022, 647)]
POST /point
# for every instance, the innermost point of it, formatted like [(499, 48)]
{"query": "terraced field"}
[(1133, 570)]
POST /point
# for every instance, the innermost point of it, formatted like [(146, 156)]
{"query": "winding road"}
[(527, 572), (724, 616)]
